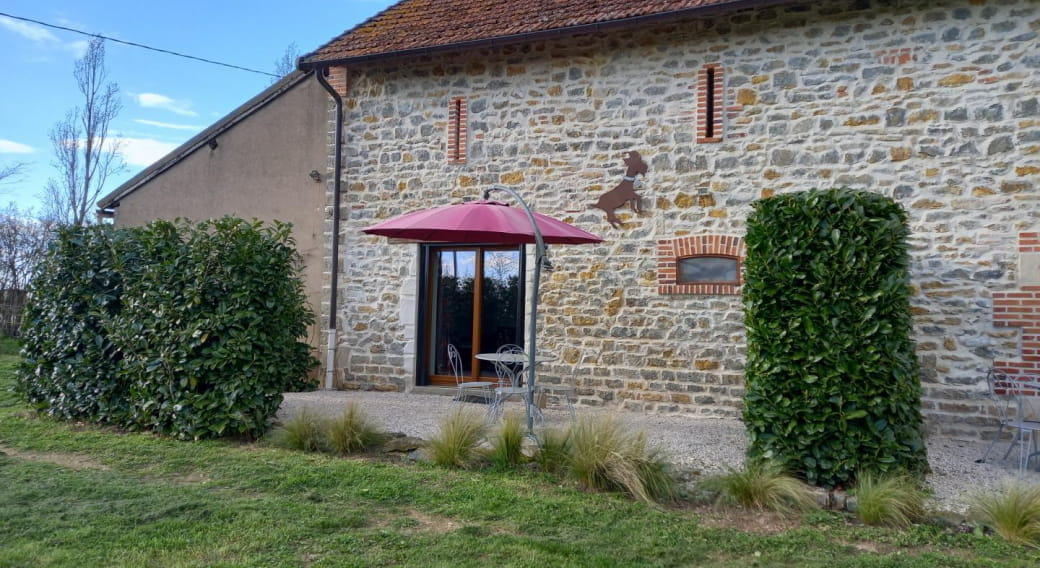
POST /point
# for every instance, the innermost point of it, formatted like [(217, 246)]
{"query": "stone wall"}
[(932, 103)]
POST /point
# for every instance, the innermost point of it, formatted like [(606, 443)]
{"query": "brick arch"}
[(669, 251)]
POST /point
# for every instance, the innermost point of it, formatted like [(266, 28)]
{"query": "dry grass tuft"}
[(763, 485), (604, 455), (894, 501), (354, 431), (456, 442), (303, 431), (1013, 512)]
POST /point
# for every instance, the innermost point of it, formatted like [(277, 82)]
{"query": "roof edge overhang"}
[(111, 200), (305, 63)]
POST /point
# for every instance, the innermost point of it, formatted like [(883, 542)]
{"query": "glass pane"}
[(454, 277), (500, 303), (707, 269)]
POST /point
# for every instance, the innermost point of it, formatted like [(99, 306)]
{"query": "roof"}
[(421, 26), (184, 150)]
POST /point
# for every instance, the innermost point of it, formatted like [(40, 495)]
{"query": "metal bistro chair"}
[(1012, 398), (455, 361), (510, 381), (567, 389)]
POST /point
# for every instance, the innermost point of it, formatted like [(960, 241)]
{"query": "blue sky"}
[(166, 100)]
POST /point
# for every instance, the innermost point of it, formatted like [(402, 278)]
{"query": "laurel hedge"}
[(189, 330), (832, 379)]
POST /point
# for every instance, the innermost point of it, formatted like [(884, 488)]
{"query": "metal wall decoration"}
[(625, 192)]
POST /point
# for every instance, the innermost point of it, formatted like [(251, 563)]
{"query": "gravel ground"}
[(697, 446)]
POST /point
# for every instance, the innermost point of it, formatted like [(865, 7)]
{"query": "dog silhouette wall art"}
[(625, 192)]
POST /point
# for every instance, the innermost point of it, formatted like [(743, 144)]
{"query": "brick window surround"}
[(671, 251), (458, 127), (710, 95)]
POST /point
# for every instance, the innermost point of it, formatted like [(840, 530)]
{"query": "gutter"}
[(707, 11), (330, 355)]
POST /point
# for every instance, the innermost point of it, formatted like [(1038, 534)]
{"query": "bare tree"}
[(23, 242), (84, 154), (12, 173), (287, 62)]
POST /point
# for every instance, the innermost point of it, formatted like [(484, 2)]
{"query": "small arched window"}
[(708, 269), (700, 264)]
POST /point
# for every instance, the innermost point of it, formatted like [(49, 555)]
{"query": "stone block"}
[(1029, 269)]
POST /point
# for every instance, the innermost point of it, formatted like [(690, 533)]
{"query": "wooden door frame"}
[(424, 330)]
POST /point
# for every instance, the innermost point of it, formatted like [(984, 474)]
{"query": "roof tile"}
[(427, 24)]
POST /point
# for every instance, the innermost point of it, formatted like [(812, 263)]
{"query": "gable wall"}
[(934, 104), (259, 169)]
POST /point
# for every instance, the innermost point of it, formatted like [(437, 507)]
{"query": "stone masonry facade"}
[(936, 104)]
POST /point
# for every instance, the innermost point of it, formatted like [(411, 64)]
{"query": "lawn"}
[(80, 495)]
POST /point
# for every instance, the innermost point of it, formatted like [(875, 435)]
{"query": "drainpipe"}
[(330, 355)]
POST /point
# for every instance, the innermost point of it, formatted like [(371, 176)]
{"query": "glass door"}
[(474, 301)]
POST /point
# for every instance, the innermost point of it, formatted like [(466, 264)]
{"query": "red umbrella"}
[(479, 222), (488, 221)]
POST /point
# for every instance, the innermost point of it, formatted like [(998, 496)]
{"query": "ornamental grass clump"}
[(1013, 512), (303, 431), (507, 442), (889, 500), (553, 449), (762, 485), (456, 443), (353, 431), (604, 455)]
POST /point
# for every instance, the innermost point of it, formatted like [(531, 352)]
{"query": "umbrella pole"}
[(532, 324)]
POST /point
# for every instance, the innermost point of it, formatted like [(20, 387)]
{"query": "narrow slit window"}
[(710, 103), (457, 131), (709, 117)]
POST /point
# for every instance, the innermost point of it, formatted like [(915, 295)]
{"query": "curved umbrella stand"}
[(532, 324)]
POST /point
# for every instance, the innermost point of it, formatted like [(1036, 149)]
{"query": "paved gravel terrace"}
[(700, 446)]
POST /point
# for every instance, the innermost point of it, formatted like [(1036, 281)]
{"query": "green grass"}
[(81, 496)]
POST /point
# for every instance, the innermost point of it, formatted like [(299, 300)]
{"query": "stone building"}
[(934, 103)]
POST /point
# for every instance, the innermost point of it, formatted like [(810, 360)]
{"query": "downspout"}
[(330, 355)]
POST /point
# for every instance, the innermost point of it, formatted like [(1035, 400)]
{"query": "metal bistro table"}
[(520, 362)]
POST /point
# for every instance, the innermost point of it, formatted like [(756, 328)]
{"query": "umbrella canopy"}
[(479, 222)]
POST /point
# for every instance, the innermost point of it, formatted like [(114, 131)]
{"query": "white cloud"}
[(158, 124), (30, 31), (12, 147), (143, 151), (155, 100), (43, 37), (78, 48)]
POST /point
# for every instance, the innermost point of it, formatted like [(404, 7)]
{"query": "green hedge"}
[(187, 330), (833, 386)]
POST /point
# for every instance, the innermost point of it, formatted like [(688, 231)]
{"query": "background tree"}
[(287, 62), (84, 154), (23, 242), (12, 173)]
